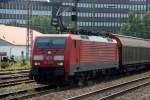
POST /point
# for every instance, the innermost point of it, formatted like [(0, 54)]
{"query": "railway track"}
[(14, 78), (16, 94), (113, 91), (13, 75), (33, 92), (13, 72), (28, 93), (7, 77), (13, 82)]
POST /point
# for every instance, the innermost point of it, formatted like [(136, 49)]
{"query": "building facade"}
[(107, 15), (99, 15), (13, 40), (15, 12)]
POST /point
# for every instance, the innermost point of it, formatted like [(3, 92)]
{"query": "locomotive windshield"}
[(57, 43)]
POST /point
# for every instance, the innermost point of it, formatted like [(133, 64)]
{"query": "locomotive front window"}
[(58, 43)]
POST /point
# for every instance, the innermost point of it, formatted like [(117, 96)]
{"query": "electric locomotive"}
[(71, 56), (78, 57)]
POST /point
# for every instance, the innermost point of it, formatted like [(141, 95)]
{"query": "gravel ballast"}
[(142, 93), (62, 95)]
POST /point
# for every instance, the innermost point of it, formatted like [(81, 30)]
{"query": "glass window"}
[(90, 23), (87, 15), (96, 23), (87, 24), (58, 43), (80, 23)]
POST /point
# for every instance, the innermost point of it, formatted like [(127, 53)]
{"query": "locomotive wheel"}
[(81, 80), (89, 83), (37, 78), (31, 77), (80, 83)]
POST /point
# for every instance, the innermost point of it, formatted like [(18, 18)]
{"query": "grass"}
[(16, 66)]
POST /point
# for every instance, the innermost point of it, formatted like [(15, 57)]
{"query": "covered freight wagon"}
[(133, 51)]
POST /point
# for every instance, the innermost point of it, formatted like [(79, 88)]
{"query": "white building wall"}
[(14, 50)]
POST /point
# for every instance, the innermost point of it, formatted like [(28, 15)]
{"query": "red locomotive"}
[(81, 56)]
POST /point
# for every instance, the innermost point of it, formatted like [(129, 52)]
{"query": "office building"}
[(99, 15)]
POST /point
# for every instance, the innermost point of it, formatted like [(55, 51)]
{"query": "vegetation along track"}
[(113, 91)]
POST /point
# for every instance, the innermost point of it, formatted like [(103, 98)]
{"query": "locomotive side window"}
[(74, 44)]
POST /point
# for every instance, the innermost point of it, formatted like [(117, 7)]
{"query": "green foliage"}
[(16, 66), (71, 25), (146, 24), (136, 26), (125, 29), (42, 24)]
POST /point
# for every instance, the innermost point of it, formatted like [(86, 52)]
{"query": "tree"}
[(134, 26), (42, 24), (125, 29), (146, 24)]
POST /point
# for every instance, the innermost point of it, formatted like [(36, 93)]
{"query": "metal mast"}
[(29, 37)]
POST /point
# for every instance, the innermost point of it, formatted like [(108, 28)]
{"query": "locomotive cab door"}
[(74, 57), (76, 51)]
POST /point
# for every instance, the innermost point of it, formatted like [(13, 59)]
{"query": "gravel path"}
[(62, 95)]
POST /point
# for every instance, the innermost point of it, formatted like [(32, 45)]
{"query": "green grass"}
[(16, 66)]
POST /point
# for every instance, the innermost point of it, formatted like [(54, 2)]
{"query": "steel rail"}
[(5, 95), (13, 72), (123, 91), (35, 93), (12, 76), (43, 91), (107, 88), (15, 82)]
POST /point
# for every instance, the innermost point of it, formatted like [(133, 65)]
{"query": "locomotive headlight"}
[(38, 58), (60, 64), (59, 58), (37, 63), (49, 52)]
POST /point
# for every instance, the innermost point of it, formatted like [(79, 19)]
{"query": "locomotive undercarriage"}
[(106, 74), (57, 75), (47, 74)]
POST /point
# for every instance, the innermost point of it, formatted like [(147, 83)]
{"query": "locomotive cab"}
[(48, 57)]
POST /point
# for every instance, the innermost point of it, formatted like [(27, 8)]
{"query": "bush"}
[(18, 65)]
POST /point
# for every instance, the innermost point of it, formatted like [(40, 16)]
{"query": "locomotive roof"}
[(54, 35), (133, 41), (93, 38), (82, 37)]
